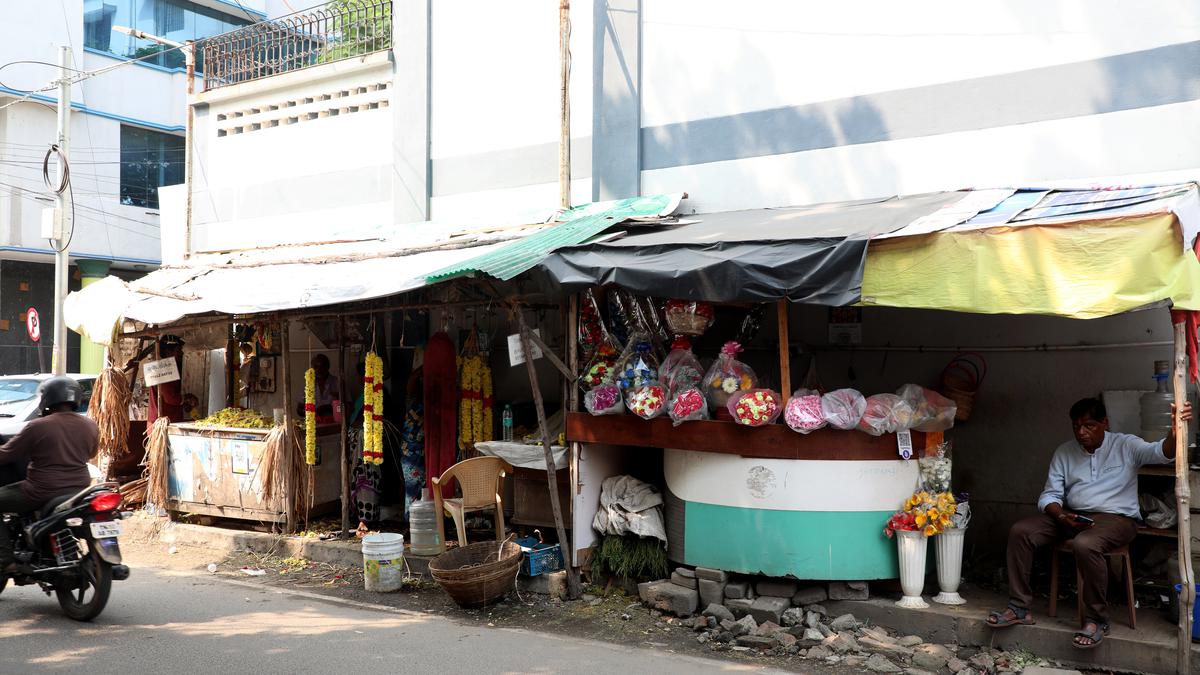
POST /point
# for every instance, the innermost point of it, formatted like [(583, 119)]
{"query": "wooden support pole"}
[(290, 494), (343, 455), (573, 588), (785, 352), (1187, 598)]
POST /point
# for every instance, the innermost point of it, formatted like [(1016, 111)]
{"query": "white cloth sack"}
[(629, 506)]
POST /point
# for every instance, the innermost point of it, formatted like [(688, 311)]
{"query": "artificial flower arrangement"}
[(925, 512)]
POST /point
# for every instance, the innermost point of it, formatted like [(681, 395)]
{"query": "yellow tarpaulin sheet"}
[(1084, 269)]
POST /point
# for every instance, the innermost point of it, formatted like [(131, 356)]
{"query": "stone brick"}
[(685, 572), (879, 663), (739, 606), (767, 629), (809, 595), (793, 616), (719, 611), (669, 597), (785, 639), (776, 588), (719, 576), (844, 622), (756, 642), (711, 592), (733, 627), (681, 580), (931, 657), (768, 608), (738, 590), (848, 590)]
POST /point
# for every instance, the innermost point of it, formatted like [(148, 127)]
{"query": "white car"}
[(19, 399)]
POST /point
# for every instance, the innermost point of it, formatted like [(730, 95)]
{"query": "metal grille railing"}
[(339, 30)]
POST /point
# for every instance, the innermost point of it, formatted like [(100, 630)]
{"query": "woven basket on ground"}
[(477, 574)]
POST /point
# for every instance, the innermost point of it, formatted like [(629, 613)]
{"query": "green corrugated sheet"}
[(575, 227)]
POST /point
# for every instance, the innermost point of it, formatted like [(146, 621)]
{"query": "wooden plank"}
[(785, 352), (1187, 599), (291, 491), (774, 441)]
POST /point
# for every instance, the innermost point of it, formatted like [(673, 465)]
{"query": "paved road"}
[(163, 621)]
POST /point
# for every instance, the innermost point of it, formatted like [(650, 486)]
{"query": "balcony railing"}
[(339, 30)]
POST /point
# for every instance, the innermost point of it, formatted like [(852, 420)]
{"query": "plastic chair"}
[(481, 480), (1068, 547)]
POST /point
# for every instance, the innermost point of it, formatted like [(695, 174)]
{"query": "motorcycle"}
[(70, 547)]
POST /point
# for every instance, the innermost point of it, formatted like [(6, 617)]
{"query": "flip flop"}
[(1096, 636), (1020, 619)]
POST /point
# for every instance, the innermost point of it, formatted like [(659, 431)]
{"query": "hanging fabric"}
[(441, 407)]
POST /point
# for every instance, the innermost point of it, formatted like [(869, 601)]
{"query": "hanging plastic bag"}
[(688, 317), (591, 328), (688, 404), (604, 399), (755, 408), (652, 317), (935, 470), (637, 364), (681, 369), (751, 323), (647, 400), (883, 414), (727, 376), (843, 408), (618, 315), (603, 366), (803, 411), (931, 410)]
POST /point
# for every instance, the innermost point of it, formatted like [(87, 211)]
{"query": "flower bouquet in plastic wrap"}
[(647, 400), (843, 408), (755, 408), (935, 469), (637, 364), (727, 376), (930, 410), (885, 414), (803, 411), (926, 512), (688, 317), (604, 399)]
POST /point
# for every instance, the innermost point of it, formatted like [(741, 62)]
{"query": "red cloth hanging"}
[(441, 409)]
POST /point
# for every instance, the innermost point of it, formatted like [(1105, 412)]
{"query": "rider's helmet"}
[(60, 389)]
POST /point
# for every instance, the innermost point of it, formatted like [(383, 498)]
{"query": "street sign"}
[(33, 324)]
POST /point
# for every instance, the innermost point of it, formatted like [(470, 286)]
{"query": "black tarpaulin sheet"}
[(811, 254)]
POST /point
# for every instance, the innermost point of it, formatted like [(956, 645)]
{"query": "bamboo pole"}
[(785, 352), (1187, 598), (289, 494), (573, 589), (342, 456), (564, 102)]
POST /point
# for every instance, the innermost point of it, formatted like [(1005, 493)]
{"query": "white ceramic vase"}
[(912, 547), (949, 545)]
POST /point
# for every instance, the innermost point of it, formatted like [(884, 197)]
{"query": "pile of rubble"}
[(759, 616)]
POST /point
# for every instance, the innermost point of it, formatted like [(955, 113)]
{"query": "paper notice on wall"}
[(516, 355), (159, 372)]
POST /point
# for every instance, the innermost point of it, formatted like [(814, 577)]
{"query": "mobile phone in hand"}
[(1084, 519)]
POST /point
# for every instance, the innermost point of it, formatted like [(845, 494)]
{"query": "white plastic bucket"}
[(383, 561)]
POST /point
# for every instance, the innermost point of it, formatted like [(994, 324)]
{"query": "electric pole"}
[(62, 233)]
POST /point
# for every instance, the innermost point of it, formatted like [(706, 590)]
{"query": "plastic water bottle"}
[(507, 421), (422, 526), (1156, 405)]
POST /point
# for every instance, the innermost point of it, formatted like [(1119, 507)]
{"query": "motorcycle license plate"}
[(106, 530)]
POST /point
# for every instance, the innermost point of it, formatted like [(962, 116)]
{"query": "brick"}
[(685, 572), (669, 597), (848, 590), (720, 612), (776, 588), (768, 608), (738, 590), (739, 606), (680, 580), (711, 592), (710, 574), (809, 595)]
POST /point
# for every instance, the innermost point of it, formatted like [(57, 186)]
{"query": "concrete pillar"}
[(616, 99), (409, 105), (91, 355)]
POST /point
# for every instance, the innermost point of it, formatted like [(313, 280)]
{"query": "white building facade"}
[(126, 140)]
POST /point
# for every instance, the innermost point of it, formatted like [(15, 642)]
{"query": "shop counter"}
[(768, 500), (213, 472)]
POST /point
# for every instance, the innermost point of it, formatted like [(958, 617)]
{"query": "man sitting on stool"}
[(1091, 496)]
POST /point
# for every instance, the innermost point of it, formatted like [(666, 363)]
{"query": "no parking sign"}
[(33, 324)]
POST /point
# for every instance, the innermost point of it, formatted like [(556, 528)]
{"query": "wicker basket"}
[(477, 574), (960, 382)]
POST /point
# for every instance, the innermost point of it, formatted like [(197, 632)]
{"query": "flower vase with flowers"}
[(923, 515)]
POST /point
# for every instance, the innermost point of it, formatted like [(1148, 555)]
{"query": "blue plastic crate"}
[(540, 559)]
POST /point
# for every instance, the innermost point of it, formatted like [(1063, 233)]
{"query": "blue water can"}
[(1195, 612)]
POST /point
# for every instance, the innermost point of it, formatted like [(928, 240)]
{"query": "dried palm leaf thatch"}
[(158, 463), (133, 493), (109, 409), (282, 471)]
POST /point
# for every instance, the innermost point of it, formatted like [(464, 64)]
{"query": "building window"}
[(177, 20), (149, 160)]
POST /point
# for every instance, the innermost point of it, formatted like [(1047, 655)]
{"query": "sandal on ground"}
[(1096, 636), (1011, 616)]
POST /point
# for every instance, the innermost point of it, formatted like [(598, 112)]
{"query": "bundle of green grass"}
[(630, 558)]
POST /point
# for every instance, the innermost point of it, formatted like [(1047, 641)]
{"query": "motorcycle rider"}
[(57, 447)]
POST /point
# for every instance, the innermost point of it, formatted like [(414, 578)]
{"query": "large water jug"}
[(1156, 405), (422, 526)]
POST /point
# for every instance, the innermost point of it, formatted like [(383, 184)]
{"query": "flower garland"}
[(924, 512), (310, 417), (373, 410), (475, 402)]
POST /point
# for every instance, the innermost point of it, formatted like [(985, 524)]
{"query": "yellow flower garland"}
[(310, 417), (486, 432), (475, 404), (373, 410)]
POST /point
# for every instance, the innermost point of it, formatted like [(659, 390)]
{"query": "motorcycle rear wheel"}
[(87, 600)]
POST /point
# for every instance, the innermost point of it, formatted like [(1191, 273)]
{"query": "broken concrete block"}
[(809, 595), (719, 576), (769, 608), (785, 639), (848, 590), (931, 657), (879, 663), (680, 580), (711, 592), (733, 627), (739, 606), (748, 623), (844, 622), (756, 642), (669, 597), (685, 572), (776, 588), (792, 616), (720, 612), (738, 590), (767, 629)]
